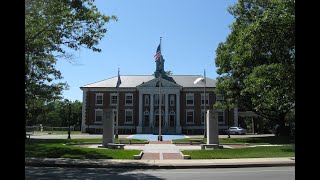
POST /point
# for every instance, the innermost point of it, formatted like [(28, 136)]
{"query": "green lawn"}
[(249, 140), (55, 148), (252, 152)]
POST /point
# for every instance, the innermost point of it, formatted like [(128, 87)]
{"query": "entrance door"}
[(172, 119), (156, 118)]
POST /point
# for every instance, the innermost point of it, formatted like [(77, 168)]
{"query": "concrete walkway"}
[(165, 164)]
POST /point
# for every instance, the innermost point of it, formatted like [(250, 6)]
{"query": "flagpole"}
[(160, 137), (204, 105), (117, 120)]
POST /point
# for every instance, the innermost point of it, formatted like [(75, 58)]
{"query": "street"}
[(261, 173)]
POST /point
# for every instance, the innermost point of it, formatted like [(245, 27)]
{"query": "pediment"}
[(155, 83)]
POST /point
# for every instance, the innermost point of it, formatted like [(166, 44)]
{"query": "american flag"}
[(158, 54)]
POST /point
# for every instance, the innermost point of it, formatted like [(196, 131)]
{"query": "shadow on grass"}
[(55, 148), (264, 140)]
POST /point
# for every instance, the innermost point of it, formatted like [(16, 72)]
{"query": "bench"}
[(121, 141), (28, 134), (115, 146), (195, 140)]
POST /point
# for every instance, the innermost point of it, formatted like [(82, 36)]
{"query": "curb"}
[(141, 165)]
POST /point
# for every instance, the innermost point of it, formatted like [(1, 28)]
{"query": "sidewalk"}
[(160, 164)]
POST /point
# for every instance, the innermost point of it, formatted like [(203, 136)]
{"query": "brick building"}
[(182, 104)]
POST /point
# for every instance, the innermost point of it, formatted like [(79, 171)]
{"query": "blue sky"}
[(190, 29)]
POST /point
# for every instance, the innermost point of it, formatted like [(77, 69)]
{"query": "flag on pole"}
[(119, 79), (158, 54)]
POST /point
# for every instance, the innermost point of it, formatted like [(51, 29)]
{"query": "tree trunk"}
[(282, 129)]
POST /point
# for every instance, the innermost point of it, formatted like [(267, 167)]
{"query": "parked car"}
[(236, 130)]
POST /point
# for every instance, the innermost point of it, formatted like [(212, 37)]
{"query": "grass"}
[(55, 148), (249, 140), (252, 152)]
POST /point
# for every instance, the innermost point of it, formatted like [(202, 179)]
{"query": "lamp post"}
[(204, 105), (69, 115), (202, 80)]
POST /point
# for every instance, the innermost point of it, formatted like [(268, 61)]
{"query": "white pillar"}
[(178, 127), (139, 128), (235, 117), (84, 105), (108, 127), (166, 111), (212, 127), (151, 111)]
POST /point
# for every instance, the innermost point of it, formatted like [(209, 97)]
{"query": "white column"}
[(235, 117), (166, 111), (139, 128), (151, 111), (84, 105), (178, 127)]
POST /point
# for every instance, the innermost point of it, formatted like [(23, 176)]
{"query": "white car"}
[(236, 130)]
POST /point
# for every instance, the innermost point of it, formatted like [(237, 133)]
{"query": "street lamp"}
[(69, 115), (202, 80)]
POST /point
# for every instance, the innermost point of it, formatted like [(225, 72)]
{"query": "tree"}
[(256, 63), (52, 28)]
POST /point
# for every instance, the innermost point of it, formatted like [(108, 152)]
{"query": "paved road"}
[(264, 173)]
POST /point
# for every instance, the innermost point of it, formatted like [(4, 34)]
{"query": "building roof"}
[(129, 81)]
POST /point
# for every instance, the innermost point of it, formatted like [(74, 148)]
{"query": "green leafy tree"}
[(52, 28), (256, 63)]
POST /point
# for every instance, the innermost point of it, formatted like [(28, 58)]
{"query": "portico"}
[(150, 109)]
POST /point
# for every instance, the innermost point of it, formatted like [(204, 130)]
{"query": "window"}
[(156, 99), (171, 100), (220, 116), (202, 116), (98, 115), (219, 97), (202, 99), (113, 99), (115, 117), (129, 99), (129, 116), (146, 100), (189, 116), (99, 98), (189, 99)]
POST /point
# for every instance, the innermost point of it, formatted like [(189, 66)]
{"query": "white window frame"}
[(221, 111), (171, 100), (95, 115), (207, 99), (125, 120), (191, 95), (111, 95), (219, 97), (189, 110), (202, 115), (127, 95), (146, 100), (114, 111), (96, 99)]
